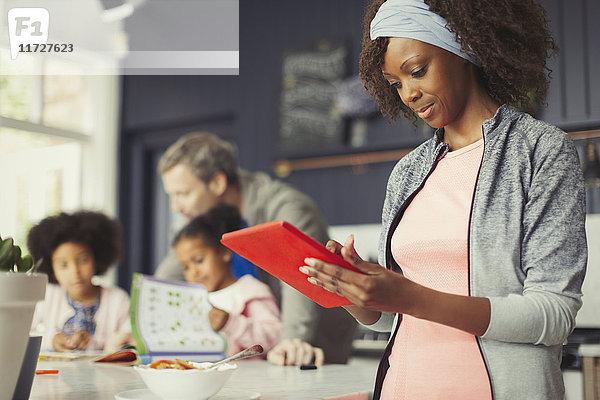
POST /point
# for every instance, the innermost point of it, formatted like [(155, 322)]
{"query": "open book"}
[(128, 355), (169, 320)]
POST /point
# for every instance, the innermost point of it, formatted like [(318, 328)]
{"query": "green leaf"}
[(27, 264), (16, 258), (34, 265), (6, 254)]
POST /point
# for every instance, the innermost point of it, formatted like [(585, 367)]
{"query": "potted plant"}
[(20, 289)]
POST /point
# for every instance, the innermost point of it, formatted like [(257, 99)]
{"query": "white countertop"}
[(81, 379)]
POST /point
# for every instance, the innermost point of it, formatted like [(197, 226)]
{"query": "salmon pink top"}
[(430, 360)]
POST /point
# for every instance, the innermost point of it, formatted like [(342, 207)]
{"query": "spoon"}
[(249, 352)]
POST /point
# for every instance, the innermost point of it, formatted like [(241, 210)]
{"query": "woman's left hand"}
[(377, 288)]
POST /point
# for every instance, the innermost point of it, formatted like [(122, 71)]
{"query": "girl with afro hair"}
[(483, 251), (76, 314)]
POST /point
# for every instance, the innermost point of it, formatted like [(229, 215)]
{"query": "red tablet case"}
[(280, 249)]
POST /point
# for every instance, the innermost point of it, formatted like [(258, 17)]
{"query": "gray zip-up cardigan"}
[(527, 246)]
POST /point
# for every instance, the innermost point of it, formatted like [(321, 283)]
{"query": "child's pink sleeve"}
[(41, 327), (50, 314), (258, 323)]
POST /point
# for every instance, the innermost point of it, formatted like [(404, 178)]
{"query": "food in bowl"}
[(171, 383), (177, 364)]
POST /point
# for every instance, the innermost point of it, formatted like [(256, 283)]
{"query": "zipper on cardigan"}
[(477, 339), (440, 151)]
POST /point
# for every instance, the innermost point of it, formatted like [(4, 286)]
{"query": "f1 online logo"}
[(27, 26)]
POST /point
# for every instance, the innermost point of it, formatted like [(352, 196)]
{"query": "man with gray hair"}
[(200, 171)]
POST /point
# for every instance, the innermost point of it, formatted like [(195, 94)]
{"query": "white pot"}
[(19, 294)]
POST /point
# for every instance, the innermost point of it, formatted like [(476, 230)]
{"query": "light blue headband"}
[(412, 19)]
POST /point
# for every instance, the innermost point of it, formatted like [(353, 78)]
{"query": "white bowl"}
[(186, 384)]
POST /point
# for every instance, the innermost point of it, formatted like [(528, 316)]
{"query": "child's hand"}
[(61, 342), (217, 318), (80, 340), (118, 341)]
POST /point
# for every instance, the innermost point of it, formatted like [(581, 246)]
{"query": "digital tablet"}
[(280, 249)]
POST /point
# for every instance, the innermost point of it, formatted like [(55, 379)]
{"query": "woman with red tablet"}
[(483, 238)]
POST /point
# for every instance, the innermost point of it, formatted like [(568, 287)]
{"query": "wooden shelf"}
[(581, 135), (284, 168)]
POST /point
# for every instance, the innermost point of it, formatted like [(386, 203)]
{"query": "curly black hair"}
[(211, 225), (510, 38), (95, 230)]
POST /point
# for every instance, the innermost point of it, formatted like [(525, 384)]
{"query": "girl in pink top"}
[(244, 309), (76, 314)]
